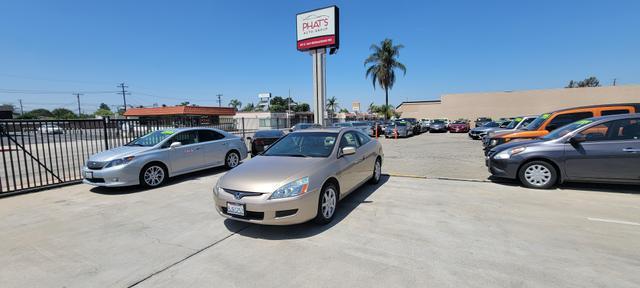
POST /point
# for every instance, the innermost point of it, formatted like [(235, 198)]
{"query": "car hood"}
[(483, 129), (265, 174), (437, 125), (119, 152), (516, 143)]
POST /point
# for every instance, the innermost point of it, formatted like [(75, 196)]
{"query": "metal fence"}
[(38, 154)]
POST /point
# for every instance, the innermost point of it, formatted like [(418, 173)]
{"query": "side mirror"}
[(348, 151), (175, 145), (577, 139), (249, 138)]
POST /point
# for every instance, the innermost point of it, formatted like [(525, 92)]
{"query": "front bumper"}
[(505, 168), (123, 175), (260, 210)]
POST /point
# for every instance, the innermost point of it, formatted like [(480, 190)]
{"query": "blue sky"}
[(173, 51)]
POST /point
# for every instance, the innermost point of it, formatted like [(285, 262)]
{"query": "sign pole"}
[(319, 84)]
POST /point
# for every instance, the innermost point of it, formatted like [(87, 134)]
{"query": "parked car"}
[(517, 123), (302, 126), (479, 132), (481, 121), (151, 159), (49, 128), (300, 178), (604, 149), (424, 124), (438, 125), (403, 128), (550, 121), (262, 139), (363, 126), (342, 124), (379, 126), (415, 125), (459, 126)]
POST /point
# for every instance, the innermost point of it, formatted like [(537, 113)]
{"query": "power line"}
[(124, 95), (28, 91)]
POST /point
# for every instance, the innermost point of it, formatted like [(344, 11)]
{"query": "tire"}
[(327, 204), (153, 175), (232, 159), (377, 172), (538, 175)]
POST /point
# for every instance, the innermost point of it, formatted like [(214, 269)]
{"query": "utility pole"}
[(289, 110), (21, 110), (124, 93), (219, 99), (78, 97), (614, 81)]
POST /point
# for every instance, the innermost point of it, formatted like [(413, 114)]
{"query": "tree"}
[(185, 103), (302, 107), (37, 114), (278, 105), (63, 113), (104, 106), (373, 108), (249, 108), (344, 110), (103, 112), (332, 104), (236, 104), (383, 63), (587, 82)]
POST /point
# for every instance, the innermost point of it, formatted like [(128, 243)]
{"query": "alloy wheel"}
[(328, 202), (377, 171), (232, 160), (154, 175)]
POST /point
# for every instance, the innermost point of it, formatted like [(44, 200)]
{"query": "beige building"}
[(517, 103)]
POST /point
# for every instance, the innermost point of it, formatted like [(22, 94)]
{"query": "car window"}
[(596, 133), (623, 129), (349, 139), (364, 139), (564, 119), (186, 137), (209, 135), (614, 112)]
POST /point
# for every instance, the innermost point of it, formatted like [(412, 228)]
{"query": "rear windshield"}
[(269, 133), (399, 124), (437, 122)]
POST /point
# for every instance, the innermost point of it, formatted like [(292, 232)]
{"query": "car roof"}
[(615, 117), (636, 105), (326, 129)]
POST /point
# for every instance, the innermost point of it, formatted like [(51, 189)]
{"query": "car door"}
[(188, 156), (611, 151), (214, 147), (349, 174), (368, 149)]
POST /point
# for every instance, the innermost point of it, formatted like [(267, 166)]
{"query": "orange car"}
[(547, 122)]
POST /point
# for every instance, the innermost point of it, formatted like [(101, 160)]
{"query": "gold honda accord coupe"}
[(299, 178)]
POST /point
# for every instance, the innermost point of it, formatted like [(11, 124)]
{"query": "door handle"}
[(631, 150), (197, 148)]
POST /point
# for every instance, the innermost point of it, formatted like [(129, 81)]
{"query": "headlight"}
[(118, 162), (493, 142), (506, 154), (291, 189)]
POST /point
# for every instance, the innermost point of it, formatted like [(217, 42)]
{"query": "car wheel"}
[(153, 175), (538, 175), (327, 204), (232, 159), (377, 172)]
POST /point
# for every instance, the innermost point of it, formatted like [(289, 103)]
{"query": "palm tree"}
[(383, 62), (332, 104), (249, 108), (236, 104)]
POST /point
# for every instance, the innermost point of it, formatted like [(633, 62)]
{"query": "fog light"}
[(114, 179)]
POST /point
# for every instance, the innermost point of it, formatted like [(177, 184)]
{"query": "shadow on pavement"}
[(582, 186), (304, 230), (172, 181)]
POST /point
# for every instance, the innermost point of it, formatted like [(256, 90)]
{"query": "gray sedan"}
[(605, 149), (299, 178), (151, 159)]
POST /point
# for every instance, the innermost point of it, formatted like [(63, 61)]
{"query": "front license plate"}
[(235, 209), (88, 175)]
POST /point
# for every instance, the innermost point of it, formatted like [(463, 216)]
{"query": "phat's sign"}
[(317, 29)]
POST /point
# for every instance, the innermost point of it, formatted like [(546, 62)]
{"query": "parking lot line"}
[(614, 221)]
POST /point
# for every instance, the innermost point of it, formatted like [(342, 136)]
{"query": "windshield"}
[(564, 130), (360, 124), (490, 124), (514, 123), (537, 123), (152, 138), (346, 124), (399, 124), (437, 122), (314, 144), (269, 134)]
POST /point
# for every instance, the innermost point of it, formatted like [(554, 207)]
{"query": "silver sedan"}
[(151, 159), (300, 177)]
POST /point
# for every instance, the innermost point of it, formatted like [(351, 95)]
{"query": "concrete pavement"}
[(403, 232)]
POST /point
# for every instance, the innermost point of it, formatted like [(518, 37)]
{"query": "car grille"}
[(241, 194), (95, 165), (95, 180)]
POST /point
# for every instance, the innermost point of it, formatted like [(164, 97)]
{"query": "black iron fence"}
[(38, 154)]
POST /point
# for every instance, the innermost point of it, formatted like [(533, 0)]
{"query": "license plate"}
[(235, 209), (88, 175)]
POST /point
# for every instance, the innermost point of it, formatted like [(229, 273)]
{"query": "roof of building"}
[(419, 102), (181, 110)]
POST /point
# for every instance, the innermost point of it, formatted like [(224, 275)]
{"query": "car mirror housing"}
[(175, 145), (348, 151)]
